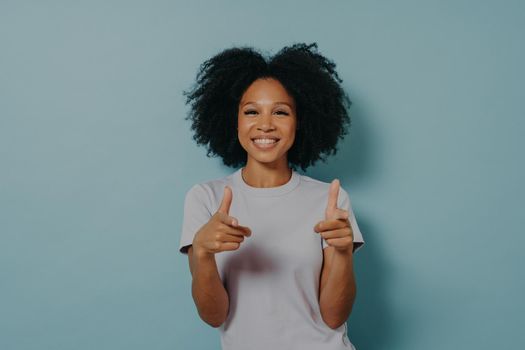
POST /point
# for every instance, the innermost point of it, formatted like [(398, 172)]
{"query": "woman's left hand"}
[(336, 229)]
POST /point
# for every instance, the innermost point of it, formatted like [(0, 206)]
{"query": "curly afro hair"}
[(309, 77)]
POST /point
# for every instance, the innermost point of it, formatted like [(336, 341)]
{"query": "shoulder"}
[(314, 186), (208, 192), (311, 183)]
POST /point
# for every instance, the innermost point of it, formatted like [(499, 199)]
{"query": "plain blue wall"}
[(96, 158)]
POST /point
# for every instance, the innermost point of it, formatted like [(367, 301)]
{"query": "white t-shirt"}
[(273, 278)]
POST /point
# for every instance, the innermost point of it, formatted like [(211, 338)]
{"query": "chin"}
[(263, 159), (266, 158)]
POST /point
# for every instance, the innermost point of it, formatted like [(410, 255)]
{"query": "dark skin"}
[(266, 109), (337, 287)]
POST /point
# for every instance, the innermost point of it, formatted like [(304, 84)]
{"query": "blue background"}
[(96, 158)]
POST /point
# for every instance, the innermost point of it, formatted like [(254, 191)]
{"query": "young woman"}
[(270, 250)]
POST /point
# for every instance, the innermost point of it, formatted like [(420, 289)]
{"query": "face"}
[(266, 111)]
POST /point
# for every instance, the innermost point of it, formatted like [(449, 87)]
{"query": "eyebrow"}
[(277, 103)]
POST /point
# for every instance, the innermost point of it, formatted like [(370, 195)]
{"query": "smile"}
[(265, 144)]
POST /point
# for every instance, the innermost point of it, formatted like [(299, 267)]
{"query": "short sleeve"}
[(196, 214), (344, 202)]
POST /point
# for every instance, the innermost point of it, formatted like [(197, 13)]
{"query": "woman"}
[(270, 250)]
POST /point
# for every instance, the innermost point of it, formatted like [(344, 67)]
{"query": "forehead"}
[(266, 90)]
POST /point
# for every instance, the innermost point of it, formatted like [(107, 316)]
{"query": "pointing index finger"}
[(226, 202), (333, 193)]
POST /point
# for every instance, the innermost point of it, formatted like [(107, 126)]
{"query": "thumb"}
[(226, 201), (333, 193)]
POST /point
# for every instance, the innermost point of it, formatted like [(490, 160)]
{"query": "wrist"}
[(346, 252), (202, 254)]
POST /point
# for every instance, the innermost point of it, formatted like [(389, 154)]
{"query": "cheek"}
[(243, 133), (240, 127), (290, 131)]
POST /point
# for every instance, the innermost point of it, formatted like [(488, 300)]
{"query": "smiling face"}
[(267, 121)]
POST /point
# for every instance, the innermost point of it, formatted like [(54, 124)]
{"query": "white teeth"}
[(264, 141)]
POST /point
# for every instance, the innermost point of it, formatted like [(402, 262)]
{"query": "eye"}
[(251, 111)]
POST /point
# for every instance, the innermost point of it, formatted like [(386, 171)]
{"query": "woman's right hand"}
[(222, 232)]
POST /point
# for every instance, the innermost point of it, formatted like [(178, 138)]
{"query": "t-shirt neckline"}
[(266, 191)]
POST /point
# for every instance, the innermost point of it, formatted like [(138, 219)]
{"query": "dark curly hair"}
[(309, 77)]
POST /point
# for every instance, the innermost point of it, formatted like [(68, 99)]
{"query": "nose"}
[(265, 122)]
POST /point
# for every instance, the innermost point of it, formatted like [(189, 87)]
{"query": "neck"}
[(257, 174)]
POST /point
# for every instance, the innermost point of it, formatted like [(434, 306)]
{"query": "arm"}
[(207, 289), (337, 287), (220, 233)]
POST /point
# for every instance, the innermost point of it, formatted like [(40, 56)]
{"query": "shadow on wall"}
[(371, 323)]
